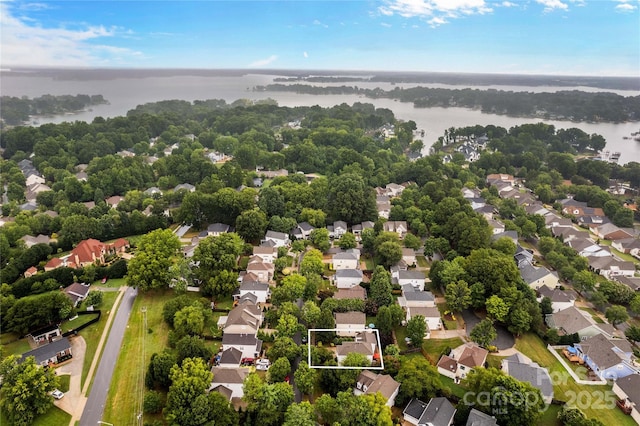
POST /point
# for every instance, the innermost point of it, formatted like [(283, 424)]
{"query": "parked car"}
[(57, 394), (247, 361), (263, 364)]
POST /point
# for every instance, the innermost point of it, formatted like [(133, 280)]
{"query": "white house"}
[(230, 358), (537, 277), (265, 253), (245, 318), (347, 278), (409, 256), (346, 348), (264, 271), (461, 360), (397, 226), (560, 300), (339, 228), (303, 230), (77, 292), (217, 229), (262, 291), (229, 378), (573, 320), (628, 390), (248, 344), (350, 323), (415, 298), (414, 278), (431, 316), (346, 260), (280, 239)]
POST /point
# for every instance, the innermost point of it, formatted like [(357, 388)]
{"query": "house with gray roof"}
[(609, 358), (573, 320), (369, 382), (279, 239), (217, 229), (302, 231), (356, 292), (478, 418), (437, 412), (628, 390), (415, 298), (349, 259), (538, 276), (51, 353), (529, 372), (230, 358), (404, 277), (560, 299), (260, 290), (610, 267), (361, 348), (229, 378), (248, 344), (632, 282), (350, 323), (347, 278)]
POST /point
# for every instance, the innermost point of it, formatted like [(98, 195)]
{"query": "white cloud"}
[(305, 54), (508, 4), (384, 24), (316, 22), (551, 5), (625, 6), (435, 12), (34, 6), (264, 62), (27, 43)]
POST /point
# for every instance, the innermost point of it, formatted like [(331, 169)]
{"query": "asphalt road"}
[(94, 408)]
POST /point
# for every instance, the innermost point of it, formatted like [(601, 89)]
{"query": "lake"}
[(126, 93)]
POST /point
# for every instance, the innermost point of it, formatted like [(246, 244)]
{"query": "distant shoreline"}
[(398, 77)]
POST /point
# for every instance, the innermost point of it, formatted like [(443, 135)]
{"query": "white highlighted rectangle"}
[(342, 367)]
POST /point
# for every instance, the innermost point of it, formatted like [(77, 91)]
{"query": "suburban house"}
[(573, 320), (77, 292), (346, 348), (358, 228), (522, 255), (431, 316), (414, 278), (339, 229), (461, 360), (409, 256), (356, 292), (415, 298), (350, 323), (438, 412), (302, 231), (478, 418), (230, 358), (521, 368), (264, 271), (31, 271), (53, 263), (217, 229), (228, 381), (560, 300), (347, 278), (610, 359), (626, 245), (30, 240), (248, 344), (610, 267), (280, 239), (397, 226), (587, 247), (628, 390), (349, 259), (45, 334), (537, 277), (113, 201), (266, 254), (262, 291), (370, 383), (184, 187), (632, 282), (88, 252), (52, 353), (609, 231), (579, 208), (384, 208), (245, 318)]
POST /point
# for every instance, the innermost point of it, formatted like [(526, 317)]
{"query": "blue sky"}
[(568, 37)]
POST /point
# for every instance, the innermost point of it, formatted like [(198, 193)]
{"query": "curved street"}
[(94, 407)]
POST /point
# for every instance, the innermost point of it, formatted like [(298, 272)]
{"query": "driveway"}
[(505, 339), (73, 399)]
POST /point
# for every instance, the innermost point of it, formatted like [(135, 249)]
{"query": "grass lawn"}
[(495, 361), (224, 303), (138, 345), (435, 347), (93, 333), (401, 333), (53, 417), (16, 347), (580, 370), (593, 314), (64, 381), (113, 283), (592, 400), (448, 323), (550, 416), (456, 389), (370, 263), (422, 262), (78, 321)]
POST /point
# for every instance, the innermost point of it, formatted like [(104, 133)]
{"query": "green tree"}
[(497, 308), (283, 347), (380, 287), (94, 298), (291, 289), (458, 296), (222, 283), (312, 263), (347, 241), (305, 378), (320, 239), (192, 347), (419, 379), (416, 330), (483, 333), (411, 241), (251, 224), (159, 369), (633, 333), (506, 396), (187, 402), (634, 305), (287, 325), (152, 402), (149, 269), (301, 414), (616, 314), (583, 281), (276, 398), (310, 313), (189, 321), (24, 393), (279, 370), (316, 218), (222, 412), (546, 306), (217, 253), (389, 253), (351, 199)]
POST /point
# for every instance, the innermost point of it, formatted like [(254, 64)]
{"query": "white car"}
[(263, 364), (57, 394)]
